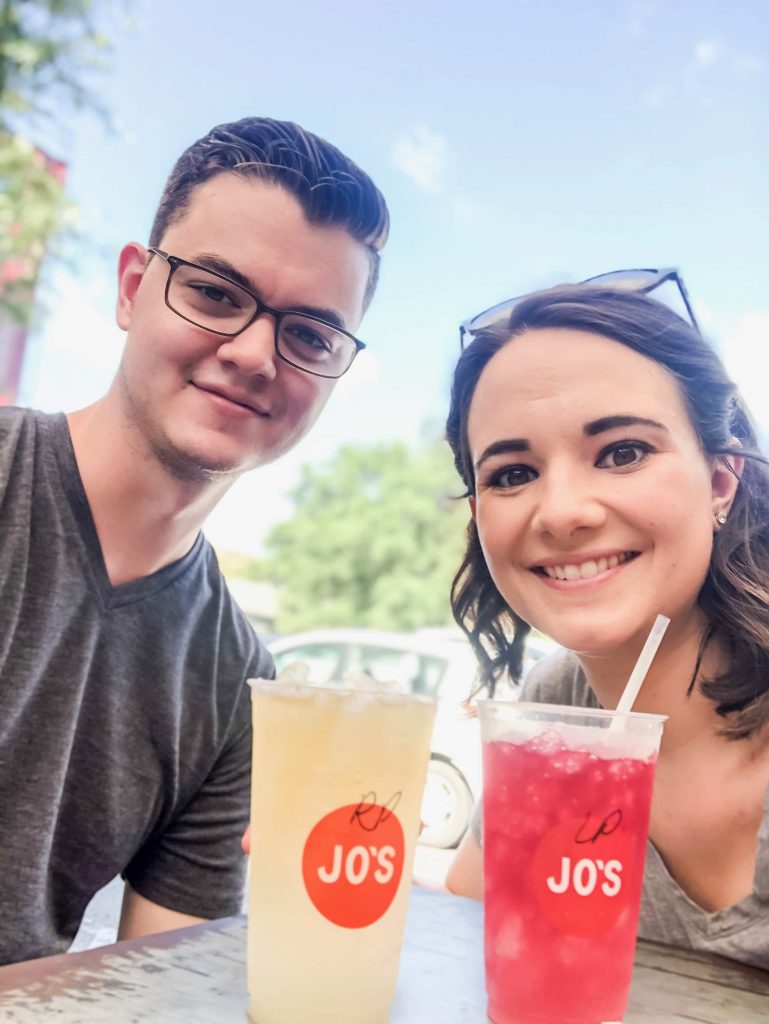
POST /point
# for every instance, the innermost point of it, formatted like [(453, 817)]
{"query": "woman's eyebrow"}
[(611, 422), (508, 445), (503, 447)]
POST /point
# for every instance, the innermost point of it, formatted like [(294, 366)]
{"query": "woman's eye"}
[(511, 476), (626, 453)]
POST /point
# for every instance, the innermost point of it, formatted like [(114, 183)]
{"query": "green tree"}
[(46, 50), (375, 540)]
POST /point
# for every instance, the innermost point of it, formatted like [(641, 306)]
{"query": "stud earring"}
[(720, 518)]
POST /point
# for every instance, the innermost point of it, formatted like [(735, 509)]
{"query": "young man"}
[(124, 713)]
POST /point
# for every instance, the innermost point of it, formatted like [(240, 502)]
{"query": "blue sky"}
[(518, 144)]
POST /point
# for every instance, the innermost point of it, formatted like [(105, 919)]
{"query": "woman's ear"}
[(471, 503), (724, 480)]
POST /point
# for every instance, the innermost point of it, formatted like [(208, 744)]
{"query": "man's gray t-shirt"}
[(124, 712), (668, 915)]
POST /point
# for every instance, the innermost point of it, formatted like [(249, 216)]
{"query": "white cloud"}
[(709, 53), (708, 57), (746, 354), (656, 95), (638, 18), (747, 64), (422, 156), (706, 52), (705, 55)]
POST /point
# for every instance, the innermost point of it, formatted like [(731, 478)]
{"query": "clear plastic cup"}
[(566, 801), (337, 783)]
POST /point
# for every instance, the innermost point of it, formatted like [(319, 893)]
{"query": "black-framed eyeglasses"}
[(215, 302), (641, 279)]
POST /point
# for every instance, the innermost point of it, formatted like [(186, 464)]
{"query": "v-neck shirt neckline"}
[(72, 485), (717, 924)]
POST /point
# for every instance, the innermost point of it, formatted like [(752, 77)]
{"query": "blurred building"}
[(13, 342), (18, 279)]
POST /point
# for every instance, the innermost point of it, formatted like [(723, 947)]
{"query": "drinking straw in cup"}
[(567, 793)]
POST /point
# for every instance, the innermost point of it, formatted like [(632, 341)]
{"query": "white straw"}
[(638, 674)]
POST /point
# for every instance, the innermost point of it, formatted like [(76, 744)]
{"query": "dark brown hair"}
[(330, 188), (735, 595)]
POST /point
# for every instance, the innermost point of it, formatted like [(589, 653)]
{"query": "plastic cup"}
[(566, 801), (337, 784)]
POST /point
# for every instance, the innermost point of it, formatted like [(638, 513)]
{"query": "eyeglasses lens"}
[(218, 305), (669, 294), (315, 346), (209, 301), (660, 285)]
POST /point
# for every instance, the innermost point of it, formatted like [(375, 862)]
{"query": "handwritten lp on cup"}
[(566, 800)]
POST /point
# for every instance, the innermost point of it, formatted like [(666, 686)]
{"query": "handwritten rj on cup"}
[(337, 783)]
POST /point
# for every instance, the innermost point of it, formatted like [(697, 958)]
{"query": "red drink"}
[(565, 828)]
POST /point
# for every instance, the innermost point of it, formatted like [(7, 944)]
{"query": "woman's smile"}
[(583, 569)]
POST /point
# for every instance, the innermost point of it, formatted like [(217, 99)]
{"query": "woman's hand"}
[(465, 874)]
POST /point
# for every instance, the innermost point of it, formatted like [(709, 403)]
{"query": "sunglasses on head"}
[(641, 279)]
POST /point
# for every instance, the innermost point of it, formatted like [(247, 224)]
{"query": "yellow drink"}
[(337, 786)]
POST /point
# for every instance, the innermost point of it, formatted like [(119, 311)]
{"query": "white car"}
[(439, 663)]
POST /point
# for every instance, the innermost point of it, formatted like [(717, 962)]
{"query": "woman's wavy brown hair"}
[(735, 594)]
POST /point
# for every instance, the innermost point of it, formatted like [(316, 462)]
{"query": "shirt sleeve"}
[(196, 864), (558, 679)]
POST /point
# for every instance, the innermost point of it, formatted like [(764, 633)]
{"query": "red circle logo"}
[(582, 874), (353, 862)]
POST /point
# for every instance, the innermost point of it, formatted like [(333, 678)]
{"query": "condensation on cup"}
[(567, 793), (337, 781)]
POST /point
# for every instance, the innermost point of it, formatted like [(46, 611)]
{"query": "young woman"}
[(612, 474)]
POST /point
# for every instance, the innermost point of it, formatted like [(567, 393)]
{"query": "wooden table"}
[(197, 976)]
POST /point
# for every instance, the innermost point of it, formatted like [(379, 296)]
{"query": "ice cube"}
[(296, 673), (508, 942), (365, 683), (548, 742), (569, 762)]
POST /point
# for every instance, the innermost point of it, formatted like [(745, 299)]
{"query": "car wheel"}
[(447, 805)]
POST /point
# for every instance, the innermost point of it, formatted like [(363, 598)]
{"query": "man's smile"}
[(233, 397)]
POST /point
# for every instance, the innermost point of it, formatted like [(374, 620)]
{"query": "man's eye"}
[(303, 335), (626, 453), (511, 476), (308, 337), (212, 293)]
